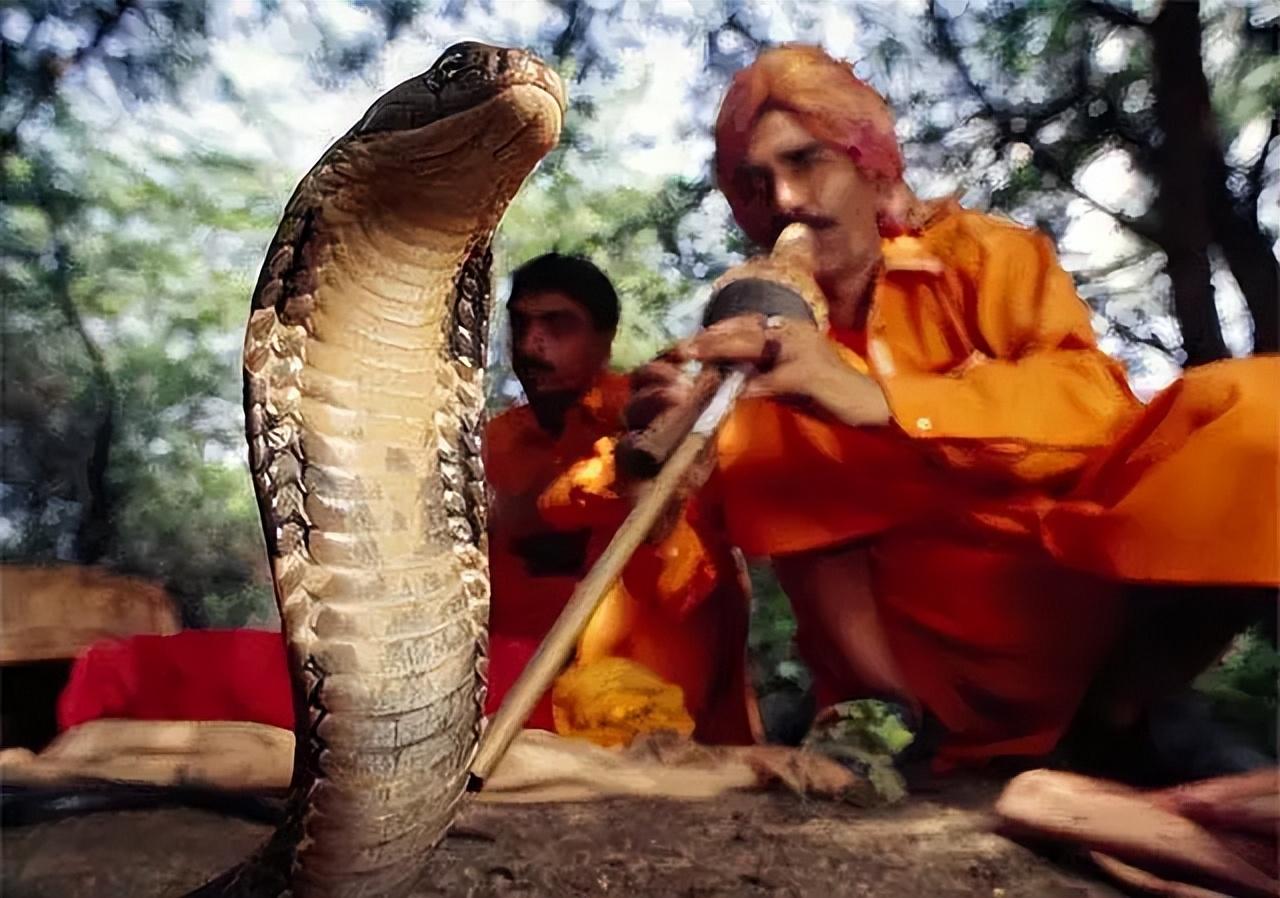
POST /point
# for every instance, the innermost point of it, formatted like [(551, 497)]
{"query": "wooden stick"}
[(559, 644), (640, 453)]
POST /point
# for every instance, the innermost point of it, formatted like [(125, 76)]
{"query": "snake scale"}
[(363, 368)]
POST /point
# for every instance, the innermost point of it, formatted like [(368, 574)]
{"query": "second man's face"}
[(555, 346)]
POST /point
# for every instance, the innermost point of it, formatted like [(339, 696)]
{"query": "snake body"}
[(363, 365)]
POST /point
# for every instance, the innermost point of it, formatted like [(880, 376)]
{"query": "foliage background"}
[(147, 147)]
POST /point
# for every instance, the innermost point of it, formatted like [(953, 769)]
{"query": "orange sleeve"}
[(585, 494), (1188, 493), (678, 571), (497, 439), (1036, 396)]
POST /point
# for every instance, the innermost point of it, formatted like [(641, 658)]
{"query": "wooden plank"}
[(54, 612)]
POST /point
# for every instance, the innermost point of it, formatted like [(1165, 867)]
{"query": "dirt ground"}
[(937, 846)]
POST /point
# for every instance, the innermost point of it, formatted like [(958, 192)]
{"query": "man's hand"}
[(795, 363), (656, 387), (792, 359)]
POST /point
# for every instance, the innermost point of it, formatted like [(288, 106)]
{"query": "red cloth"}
[(508, 656), (225, 675), (191, 675)]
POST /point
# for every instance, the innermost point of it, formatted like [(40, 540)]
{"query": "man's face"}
[(802, 179), (556, 349)]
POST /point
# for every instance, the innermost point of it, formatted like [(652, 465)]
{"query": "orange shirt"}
[(521, 461), (1008, 418), (1018, 469)]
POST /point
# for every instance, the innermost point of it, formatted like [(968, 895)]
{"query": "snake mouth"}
[(551, 83), (543, 126)]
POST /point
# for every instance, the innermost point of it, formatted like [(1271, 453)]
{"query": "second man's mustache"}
[(529, 365)]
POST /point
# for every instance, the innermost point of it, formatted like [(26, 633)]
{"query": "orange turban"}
[(833, 104)]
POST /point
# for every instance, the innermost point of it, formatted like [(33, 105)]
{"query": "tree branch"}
[(1247, 252), (1253, 184), (1036, 118), (1104, 10), (1253, 180), (1267, 35), (734, 24), (1146, 226), (1184, 163), (947, 45), (54, 68), (1129, 335), (727, 62), (94, 531), (1101, 272), (1255, 175)]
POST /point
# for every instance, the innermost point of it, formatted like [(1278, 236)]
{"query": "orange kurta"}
[(680, 611), (1018, 466)]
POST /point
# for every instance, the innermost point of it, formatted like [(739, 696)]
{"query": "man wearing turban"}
[(958, 490)]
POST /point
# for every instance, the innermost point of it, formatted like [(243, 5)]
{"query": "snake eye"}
[(459, 69), (445, 69)]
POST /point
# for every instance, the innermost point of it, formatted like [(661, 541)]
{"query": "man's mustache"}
[(812, 219), (528, 365)]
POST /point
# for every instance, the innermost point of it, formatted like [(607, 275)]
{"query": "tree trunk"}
[(1242, 241), (1183, 164), (1244, 244), (93, 535), (1251, 260)]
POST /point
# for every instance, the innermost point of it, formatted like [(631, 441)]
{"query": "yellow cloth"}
[(612, 700)]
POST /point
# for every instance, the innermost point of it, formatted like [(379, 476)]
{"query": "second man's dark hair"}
[(576, 278)]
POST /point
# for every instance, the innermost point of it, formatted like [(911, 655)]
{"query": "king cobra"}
[(363, 387)]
